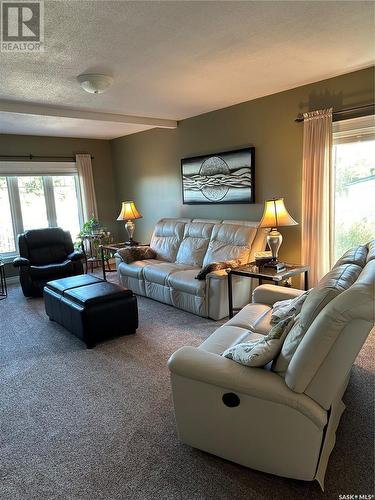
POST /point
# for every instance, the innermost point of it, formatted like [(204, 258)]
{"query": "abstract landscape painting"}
[(219, 178)]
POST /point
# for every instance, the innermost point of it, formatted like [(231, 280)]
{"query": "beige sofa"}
[(183, 247), (287, 416)]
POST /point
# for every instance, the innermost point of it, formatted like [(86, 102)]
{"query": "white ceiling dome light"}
[(95, 83)]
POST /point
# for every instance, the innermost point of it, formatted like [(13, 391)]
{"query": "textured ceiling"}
[(177, 59)]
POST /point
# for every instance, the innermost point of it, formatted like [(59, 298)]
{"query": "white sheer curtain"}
[(317, 193), (86, 183)]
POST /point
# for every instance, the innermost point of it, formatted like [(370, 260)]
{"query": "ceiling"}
[(175, 59)]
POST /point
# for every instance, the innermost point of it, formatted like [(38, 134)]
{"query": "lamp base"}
[(132, 243), (275, 264)]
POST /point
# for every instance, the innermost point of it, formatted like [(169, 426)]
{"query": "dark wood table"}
[(251, 270)]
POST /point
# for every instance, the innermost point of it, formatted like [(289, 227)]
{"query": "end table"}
[(251, 270), (3, 282)]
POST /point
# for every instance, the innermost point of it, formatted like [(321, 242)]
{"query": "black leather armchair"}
[(45, 255)]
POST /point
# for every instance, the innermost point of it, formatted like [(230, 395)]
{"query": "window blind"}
[(17, 168)]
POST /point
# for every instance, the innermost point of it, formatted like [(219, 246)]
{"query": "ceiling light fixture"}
[(94, 83)]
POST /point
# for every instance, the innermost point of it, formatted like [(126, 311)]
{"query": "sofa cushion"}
[(52, 271), (166, 239), (194, 244), (135, 269), (340, 278), (260, 352), (159, 273), (356, 255), (227, 336), (371, 250), (229, 242), (250, 316), (185, 281)]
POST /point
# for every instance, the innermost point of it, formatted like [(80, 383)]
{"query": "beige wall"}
[(147, 164), (102, 165)]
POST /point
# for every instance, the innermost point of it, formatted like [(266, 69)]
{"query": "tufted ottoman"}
[(90, 308)]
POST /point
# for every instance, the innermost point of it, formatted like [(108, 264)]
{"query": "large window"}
[(354, 183), (37, 201)]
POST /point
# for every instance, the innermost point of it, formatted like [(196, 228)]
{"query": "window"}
[(7, 243), (36, 201), (354, 183), (33, 202)]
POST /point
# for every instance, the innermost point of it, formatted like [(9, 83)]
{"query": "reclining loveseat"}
[(281, 418)]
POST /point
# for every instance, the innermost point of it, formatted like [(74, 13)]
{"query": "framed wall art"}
[(227, 177)]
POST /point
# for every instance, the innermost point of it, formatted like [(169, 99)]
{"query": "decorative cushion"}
[(340, 278), (131, 254), (260, 352), (286, 308), (217, 266)]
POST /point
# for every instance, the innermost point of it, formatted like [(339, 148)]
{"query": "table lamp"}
[(275, 215), (129, 213)]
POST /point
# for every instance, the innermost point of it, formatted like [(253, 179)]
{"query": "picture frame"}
[(219, 178)]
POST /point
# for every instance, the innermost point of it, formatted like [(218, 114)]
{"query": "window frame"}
[(49, 199)]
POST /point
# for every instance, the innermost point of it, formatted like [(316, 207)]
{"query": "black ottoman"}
[(90, 308)]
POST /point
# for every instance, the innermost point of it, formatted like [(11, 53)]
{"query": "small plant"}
[(91, 236), (91, 227)]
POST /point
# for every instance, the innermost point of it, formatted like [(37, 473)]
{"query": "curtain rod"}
[(32, 157), (343, 111)]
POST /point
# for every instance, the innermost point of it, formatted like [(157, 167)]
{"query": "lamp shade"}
[(275, 214), (129, 211)]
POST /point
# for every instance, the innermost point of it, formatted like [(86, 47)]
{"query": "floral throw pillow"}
[(287, 308), (261, 352)]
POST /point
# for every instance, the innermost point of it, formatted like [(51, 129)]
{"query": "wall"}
[(147, 164), (62, 146)]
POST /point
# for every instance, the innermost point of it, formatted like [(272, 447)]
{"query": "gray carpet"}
[(98, 424)]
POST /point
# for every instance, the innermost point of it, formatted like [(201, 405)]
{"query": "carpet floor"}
[(98, 424)]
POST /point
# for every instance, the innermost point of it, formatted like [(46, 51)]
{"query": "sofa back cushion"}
[(356, 255), (229, 242), (323, 359), (166, 238), (340, 278), (46, 246), (194, 244)]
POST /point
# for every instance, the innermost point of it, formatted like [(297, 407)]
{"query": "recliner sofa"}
[(45, 255), (183, 247), (280, 419)]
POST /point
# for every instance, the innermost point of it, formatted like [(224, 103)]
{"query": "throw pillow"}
[(261, 352), (217, 266), (131, 254), (286, 308)]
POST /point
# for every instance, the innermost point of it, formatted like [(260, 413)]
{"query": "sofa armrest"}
[(269, 294), (210, 368), (21, 262), (217, 275), (75, 256)]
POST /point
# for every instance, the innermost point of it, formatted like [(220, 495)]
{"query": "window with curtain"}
[(354, 183), (37, 196)]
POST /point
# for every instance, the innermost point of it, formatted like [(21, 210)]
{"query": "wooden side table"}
[(251, 270)]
